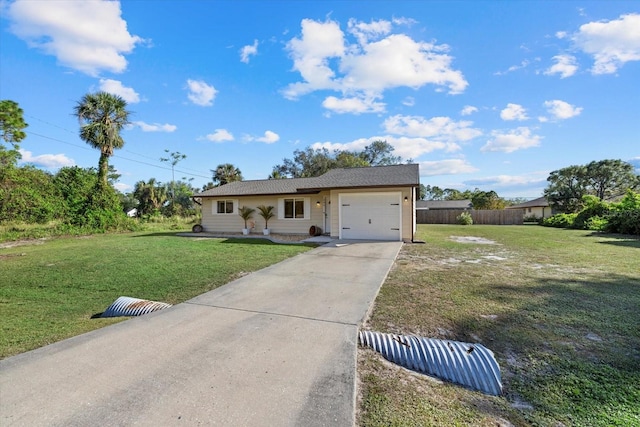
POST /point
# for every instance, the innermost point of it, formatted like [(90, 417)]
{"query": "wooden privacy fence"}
[(492, 217)]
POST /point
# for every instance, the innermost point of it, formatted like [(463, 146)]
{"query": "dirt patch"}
[(16, 243), (472, 239)]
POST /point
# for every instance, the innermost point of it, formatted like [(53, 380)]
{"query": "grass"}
[(559, 308), (49, 289)]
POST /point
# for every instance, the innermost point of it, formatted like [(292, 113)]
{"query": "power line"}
[(117, 156), (192, 172)]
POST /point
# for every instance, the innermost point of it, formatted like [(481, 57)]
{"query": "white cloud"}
[(200, 93), (562, 110), (122, 187), (375, 61), (436, 128), (247, 51), (514, 112), (353, 105), (155, 127), (446, 167), (115, 87), (524, 64), (405, 147), (468, 110), (610, 43), (565, 66), (529, 185), (516, 139), (409, 101), (533, 179), (268, 138), (363, 31), (219, 135), (49, 161), (89, 36)]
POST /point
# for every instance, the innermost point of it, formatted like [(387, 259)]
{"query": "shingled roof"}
[(535, 203), (366, 177)]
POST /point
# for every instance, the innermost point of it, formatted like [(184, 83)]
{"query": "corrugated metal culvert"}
[(127, 306), (469, 365)]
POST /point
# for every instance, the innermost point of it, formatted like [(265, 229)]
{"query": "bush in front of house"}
[(593, 207), (562, 220), (464, 219), (622, 217)]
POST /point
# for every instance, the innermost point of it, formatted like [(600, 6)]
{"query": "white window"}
[(224, 207), (294, 208)]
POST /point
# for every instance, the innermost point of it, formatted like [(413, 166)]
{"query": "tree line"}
[(86, 197)]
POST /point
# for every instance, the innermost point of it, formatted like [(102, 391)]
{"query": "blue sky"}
[(486, 94)]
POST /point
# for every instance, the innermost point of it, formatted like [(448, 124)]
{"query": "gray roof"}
[(366, 177), (539, 202), (443, 204)]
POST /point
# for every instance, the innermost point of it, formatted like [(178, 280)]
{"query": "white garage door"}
[(374, 216)]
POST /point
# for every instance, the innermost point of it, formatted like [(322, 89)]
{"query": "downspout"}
[(324, 214)]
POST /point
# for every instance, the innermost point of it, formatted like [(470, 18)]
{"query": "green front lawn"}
[(49, 289), (559, 308)]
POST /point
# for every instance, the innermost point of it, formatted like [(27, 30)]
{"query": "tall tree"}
[(12, 127), (312, 162), (566, 188), (226, 173), (151, 196), (102, 116), (610, 178), (603, 179), (174, 158), (379, 153), (433, 192), (487, 200)]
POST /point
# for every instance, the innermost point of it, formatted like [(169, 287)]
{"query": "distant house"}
[(444, 204), (538, 207), (374, 203)]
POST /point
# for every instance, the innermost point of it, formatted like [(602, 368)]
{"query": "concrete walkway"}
[(274, 348)]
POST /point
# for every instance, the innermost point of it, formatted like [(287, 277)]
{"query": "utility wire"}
[(117, 156), (196, 174)]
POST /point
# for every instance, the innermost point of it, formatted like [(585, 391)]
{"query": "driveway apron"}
[(274, 348)]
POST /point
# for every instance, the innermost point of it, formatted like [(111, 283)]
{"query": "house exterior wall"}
[(538, 211), (408, 211), (213, 223), (328, 200)]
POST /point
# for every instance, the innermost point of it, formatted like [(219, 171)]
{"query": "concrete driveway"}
[(274, 348)]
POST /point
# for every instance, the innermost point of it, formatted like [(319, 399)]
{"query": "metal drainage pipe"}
[(127, 306), (470, 365)]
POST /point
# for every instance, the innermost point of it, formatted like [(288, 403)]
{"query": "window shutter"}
[(307, 208), (280, 208)]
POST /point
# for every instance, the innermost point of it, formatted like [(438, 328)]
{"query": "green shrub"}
[(596, 223), (562, 220), (624, 217), (464, 219), (624, 222), (593, 207)]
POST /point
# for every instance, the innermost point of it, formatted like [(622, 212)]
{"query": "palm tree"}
[(102, 116), (151, 196), (226, 173), (267, 213), (246, 213)]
